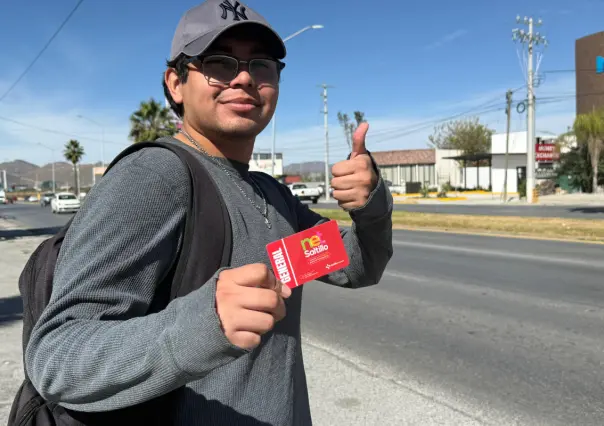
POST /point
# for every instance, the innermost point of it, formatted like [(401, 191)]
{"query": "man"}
[(234, 342)]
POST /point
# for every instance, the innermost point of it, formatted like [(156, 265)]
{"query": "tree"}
[(466, 135), (348, 126), (589, 129), (151, 121), (73, 153), (576, 165)]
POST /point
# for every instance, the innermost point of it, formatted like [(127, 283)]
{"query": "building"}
[(261, 162), (428, 167), (547, 155), (97, 173), (589, 76)]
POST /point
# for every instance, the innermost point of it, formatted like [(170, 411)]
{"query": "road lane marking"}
[(505, 254)]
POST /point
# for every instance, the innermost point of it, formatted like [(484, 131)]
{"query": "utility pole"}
[(52, 150), (508, 111), (531, 39), (273, 145), (297, 33), (324, 95), (4, 182)]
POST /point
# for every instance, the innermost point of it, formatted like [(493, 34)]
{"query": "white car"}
[(65, 202), (303, 192)]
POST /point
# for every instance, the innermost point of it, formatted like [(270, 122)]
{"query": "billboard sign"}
[(547, 152)]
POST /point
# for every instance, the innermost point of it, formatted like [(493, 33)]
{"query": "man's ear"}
[(174, 85)]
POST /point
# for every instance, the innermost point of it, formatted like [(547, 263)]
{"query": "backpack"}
[(207, 215)]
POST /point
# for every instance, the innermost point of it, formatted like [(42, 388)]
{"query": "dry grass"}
[(555, 228)]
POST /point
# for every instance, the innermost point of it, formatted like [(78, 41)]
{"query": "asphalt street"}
[(32, 215), (577, 212), (508, 331), (501, 331)]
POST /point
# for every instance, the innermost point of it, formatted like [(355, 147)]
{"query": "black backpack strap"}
[(207, 234)]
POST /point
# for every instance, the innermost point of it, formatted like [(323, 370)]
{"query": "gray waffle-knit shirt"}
[(94, 348)]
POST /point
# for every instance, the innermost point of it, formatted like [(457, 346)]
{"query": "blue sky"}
[(399, 63)]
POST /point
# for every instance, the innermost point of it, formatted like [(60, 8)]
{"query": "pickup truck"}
[(303, 192)]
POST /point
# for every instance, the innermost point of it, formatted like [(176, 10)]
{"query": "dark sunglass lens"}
[(264, 71), (220, 68)]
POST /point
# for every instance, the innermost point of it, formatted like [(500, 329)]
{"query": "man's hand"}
[(249, 301), (354, 179)]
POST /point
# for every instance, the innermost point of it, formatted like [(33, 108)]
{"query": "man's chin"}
[(243, 126)]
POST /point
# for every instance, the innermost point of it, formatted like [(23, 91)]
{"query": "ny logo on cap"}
[(237, 9)]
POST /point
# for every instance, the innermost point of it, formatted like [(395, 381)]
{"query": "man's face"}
[(239, 108)]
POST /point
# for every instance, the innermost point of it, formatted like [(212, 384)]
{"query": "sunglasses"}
[(223, 69)]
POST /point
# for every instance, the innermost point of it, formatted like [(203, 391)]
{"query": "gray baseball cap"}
[(204, 23)]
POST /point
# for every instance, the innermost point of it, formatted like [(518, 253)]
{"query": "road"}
[(33, 216), (506, 330), (502, 331), (577, 212)]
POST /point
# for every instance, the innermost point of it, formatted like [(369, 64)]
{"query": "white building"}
[(261, 162), (517, 160), (429, 167)]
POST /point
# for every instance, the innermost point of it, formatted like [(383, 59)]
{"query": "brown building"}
[(590, 85)]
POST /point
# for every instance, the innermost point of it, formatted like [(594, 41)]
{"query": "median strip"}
[(588, 230)]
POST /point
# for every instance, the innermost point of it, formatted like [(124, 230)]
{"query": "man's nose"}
[(243, 77)]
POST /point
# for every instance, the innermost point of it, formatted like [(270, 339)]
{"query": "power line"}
[(487, 107), (57, 132), (570, 70), (12, 86)]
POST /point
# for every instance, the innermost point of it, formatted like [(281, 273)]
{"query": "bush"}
[(425, 191), (522, 189)]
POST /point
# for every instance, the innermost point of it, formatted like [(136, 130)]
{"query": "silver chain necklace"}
[(264, 209)]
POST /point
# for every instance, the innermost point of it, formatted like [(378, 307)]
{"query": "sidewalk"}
[(342, 391)]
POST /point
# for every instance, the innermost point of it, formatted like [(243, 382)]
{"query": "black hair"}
[(180, 66)]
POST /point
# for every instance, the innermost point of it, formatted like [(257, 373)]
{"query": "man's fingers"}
[(254, 321), (260, 299), (358, 140), (344, 168), (344, 183), (256, 275)]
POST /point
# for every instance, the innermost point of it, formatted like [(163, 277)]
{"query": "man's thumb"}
[(358, 140)]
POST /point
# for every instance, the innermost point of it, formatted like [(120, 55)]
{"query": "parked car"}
[(303, 192), (65, 202), (46, 198)]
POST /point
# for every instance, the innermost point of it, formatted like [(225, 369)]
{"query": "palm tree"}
[(589, 129), (73, 153), (151, 121)]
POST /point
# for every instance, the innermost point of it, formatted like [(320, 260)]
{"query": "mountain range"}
[(20, 172)]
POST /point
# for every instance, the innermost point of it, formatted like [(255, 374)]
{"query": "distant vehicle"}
[(3, 197), (65, 202), (46, 198), (32, 199), (303, 192)]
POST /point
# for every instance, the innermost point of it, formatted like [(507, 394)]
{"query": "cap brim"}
[(275, 44)]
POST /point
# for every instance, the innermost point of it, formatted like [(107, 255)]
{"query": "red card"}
[(308, 255)]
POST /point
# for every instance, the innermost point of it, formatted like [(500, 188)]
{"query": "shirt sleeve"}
[(368, 241), (96, 347)]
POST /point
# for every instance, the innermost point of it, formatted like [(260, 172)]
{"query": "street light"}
[(297, 33), (52, 150), (102, 136)]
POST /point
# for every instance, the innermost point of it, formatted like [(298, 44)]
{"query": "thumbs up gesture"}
[(354, 179)]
